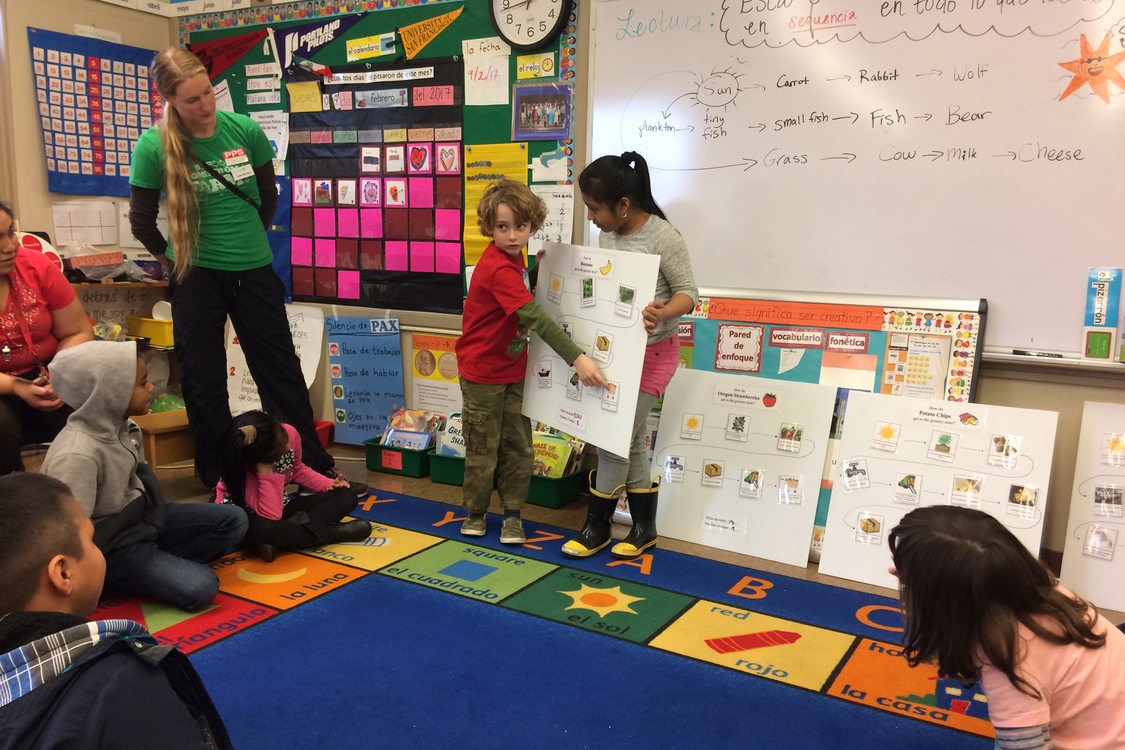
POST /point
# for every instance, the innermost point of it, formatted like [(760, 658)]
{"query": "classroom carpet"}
[(419, 637)]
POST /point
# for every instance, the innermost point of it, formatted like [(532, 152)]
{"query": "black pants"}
[(255, 302), (21, 424), (304, 522)]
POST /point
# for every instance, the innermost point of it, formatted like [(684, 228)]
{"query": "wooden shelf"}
[(118, 284)]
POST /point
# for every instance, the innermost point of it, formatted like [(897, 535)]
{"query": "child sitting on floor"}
[(66, 681), (979, 604), (152, 548), (261, 455)]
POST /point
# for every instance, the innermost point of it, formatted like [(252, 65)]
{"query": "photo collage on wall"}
[(95, 99), (377, 197)]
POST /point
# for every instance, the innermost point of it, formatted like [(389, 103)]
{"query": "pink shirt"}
[(265, 493), (1083, 691)]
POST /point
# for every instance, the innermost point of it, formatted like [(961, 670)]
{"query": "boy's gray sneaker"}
[(512, 531), (475, 525)]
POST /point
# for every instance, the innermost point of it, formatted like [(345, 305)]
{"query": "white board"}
[(580, 288), (740, 461), (1092, 567), (898, 453), (306, 325), (827, 147)]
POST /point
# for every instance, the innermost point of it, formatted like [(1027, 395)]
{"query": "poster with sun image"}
[(740, 461), (898, 453), (596, 296)]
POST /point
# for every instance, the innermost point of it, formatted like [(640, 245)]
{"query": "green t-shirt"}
[(231, 236)]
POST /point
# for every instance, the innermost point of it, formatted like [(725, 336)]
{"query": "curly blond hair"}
[(525, 205)]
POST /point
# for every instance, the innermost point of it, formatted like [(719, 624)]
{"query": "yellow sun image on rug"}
[(1096, 67), (602, 601)]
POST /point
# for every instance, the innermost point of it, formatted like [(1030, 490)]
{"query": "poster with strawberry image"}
[(739, 460)]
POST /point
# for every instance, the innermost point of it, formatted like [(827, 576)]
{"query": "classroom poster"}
[(376, 187), (365, 368), (484, 165), (596, 296), (740, 462), (1091, 565), (434, 384), (899, 453), (306, 324), (95, 99)]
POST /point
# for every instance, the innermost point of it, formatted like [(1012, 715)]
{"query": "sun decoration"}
[(1095, 67), (602, 601), (886, 432)]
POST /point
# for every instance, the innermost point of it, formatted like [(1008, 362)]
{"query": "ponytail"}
[(608, 179), (169, 69)]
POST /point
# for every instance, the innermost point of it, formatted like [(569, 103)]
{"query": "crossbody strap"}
[(230, 185)]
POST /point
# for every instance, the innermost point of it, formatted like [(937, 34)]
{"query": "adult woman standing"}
[(39, 314), (216, 170)]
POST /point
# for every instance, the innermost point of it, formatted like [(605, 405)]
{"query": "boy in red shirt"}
[(499, 314)]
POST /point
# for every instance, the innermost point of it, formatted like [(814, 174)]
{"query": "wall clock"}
[(529, 24)]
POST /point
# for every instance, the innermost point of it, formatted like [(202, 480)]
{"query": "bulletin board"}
[(925, 348), (407, 255), (877, 147)]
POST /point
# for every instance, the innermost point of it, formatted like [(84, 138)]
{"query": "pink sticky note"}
[(422, 256), (433, 96), (447, 224), (371, 223), (448, 257), (321, 136), (347, 284), (421, 192), (302, 251), (325, 252), (324, 222), (395, 257), (347, 222)]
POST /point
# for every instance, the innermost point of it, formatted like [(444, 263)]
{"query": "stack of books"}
[(412, 429)]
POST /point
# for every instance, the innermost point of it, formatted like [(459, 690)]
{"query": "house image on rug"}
[(952, 696)]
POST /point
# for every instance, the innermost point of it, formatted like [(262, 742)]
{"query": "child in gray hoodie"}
[(151, 548)]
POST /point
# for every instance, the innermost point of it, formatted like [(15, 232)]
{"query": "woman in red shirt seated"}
[(39, 314)]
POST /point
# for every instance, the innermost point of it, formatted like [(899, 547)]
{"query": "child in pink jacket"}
[(260, 456)]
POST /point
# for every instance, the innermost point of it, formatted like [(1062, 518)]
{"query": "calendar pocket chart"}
[(95, 99), (898, 453), (740, 462)]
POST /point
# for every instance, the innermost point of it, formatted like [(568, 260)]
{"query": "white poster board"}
[(740, 461), (596, 296), (898, 453), (1091, 566), (306, 324)]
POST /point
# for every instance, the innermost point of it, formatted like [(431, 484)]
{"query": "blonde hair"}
[(525, 205), (169, 69)]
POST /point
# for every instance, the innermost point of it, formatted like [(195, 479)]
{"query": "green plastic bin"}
[(392, 460), (447, 469), (555, 492)]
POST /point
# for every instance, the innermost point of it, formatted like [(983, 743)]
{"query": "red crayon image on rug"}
[(749, 641)]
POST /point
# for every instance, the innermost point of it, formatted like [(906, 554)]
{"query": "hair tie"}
[(630, 157), (249, 432)]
